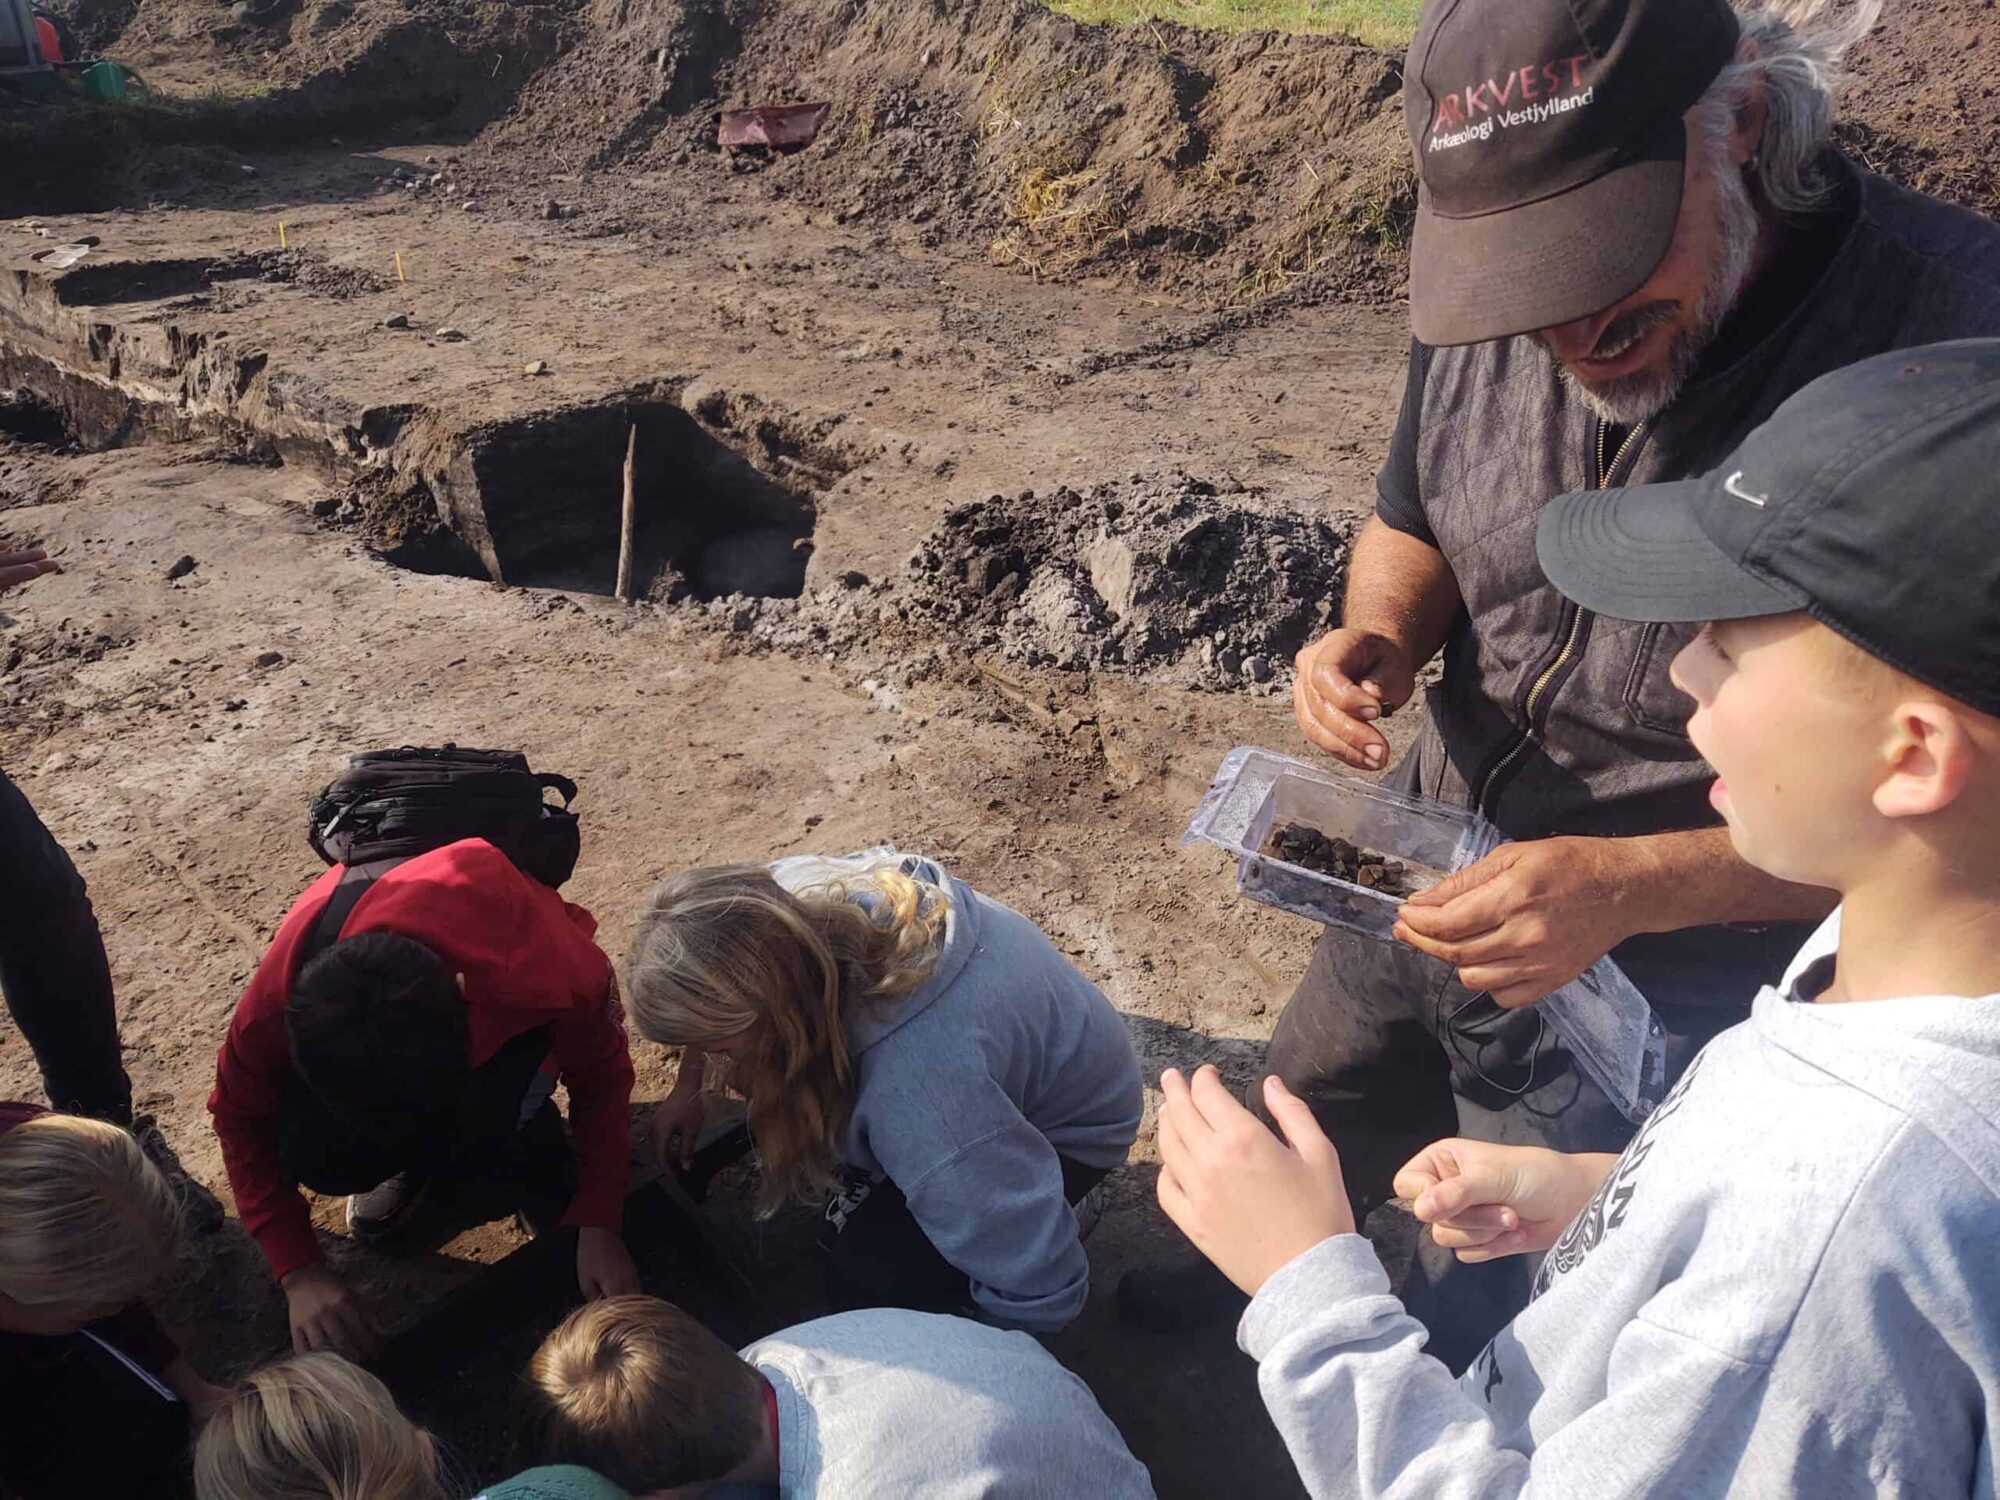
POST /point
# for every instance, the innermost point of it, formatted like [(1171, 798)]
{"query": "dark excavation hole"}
[(708, 523), (105, 283), (27, 418), (441, 553)]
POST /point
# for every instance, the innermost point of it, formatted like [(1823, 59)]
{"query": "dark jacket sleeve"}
[(1398, 495)]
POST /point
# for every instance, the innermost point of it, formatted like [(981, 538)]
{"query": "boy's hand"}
[(1486, 1201), (17, 568), (326, 1313), (1528, 918), (1250, 1202), (603, 1265)]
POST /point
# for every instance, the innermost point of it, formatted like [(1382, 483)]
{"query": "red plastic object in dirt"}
[(781, 127)]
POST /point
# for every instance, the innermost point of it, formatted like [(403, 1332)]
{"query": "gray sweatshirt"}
[(968, 1090), (1789, 1285), (886, 1402)]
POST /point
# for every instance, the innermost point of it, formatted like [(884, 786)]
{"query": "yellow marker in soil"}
[(399, 267), (281, 236)]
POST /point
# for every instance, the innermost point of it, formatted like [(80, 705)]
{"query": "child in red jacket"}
[(414, 1058)]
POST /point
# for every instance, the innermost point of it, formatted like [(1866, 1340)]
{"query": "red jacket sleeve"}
[(250, 1075), (596, 1063)]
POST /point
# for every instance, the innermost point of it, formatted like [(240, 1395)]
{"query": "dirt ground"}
[(984, 450)]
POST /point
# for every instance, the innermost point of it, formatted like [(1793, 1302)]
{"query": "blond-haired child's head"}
[(1831, 762), (313, 1427), (728, 960), (86, 1222), (639, 1391)]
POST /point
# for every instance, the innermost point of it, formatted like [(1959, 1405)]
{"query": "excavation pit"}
[(26, 418), (539, 503)]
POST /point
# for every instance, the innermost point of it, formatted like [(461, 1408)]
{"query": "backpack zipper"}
[(1605, 468)]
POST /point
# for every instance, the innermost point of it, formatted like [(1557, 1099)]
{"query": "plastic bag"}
[(1603, 1020)]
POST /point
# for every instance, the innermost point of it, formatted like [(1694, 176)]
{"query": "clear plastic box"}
[(1601, 1017)]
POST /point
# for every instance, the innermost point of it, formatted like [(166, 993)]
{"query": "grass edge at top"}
[(1379, 23)]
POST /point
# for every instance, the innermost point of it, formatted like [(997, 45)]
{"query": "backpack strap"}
[(355, 882)]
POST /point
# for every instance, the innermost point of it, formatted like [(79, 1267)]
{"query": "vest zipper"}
[(1605, 468)]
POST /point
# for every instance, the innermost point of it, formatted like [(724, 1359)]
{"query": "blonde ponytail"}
[(86, 1221), (313, 1428), (725, 949)]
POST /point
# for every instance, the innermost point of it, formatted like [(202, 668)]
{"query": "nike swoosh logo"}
[(1741, 494)]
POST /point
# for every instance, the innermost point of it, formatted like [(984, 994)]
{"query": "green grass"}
[(1381, 23)]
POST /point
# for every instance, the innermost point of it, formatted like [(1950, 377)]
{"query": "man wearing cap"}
[(1785, 1285), (1633, 242)]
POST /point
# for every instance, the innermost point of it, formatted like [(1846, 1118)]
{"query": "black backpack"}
[(391, 805)]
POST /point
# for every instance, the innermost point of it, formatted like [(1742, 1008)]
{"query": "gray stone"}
[(1111, 566)]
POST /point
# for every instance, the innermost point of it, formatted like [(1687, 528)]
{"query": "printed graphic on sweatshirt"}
[(848, 1194), (1526, 96), (1607, 1207)]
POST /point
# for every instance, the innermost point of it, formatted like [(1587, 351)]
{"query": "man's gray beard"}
[(1641, 397)]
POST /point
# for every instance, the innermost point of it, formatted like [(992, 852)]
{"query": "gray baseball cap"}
[(1550, 151)]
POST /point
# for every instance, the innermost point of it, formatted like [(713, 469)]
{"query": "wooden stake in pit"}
[(629, 517)]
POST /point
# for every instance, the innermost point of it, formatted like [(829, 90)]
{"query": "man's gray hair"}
[(1795, 49)]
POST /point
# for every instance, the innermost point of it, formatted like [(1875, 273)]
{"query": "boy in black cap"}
[(1786, 1284)]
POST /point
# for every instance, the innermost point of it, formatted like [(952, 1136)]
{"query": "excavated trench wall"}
[(725, 492)]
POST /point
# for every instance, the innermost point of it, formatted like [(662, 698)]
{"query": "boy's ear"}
[(459, 979), (1931, 757)]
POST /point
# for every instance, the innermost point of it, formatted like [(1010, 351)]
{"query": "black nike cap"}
[(1550, 148), (1870, 500)]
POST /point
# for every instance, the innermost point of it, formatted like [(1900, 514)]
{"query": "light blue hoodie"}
[(968, 1091), (888, 1403), (1788, 1286)]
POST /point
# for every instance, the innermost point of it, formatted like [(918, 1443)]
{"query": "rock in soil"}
[(1309, 849)]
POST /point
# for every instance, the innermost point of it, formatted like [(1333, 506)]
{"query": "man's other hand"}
[(1528, 918), (1345, 682), (1250, 1202)]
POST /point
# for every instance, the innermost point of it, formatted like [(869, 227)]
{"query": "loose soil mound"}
[(1170, 578)]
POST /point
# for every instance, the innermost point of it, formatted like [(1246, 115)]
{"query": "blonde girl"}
[(313, 1427), (87, 1224), (913, 1049)]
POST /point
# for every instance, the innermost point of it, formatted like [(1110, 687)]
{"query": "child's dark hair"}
[(377, 1030)]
